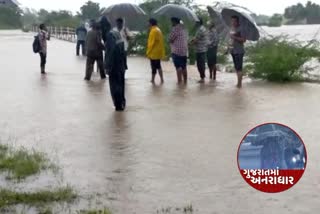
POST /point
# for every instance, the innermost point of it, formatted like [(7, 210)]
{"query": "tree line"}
[(295, 14), (12, 18)]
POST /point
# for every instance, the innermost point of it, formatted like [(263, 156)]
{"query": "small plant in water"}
[(9, 197), (21, 163)]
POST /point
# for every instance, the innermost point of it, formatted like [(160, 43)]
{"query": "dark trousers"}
[(201, 64), (125, 60), (117, 88), (90, 64), (83, 47), (43, 59)]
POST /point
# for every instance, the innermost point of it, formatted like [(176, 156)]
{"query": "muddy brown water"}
[(172, 147)]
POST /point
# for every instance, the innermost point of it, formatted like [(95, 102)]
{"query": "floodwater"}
[(172, 147), (299, 32)]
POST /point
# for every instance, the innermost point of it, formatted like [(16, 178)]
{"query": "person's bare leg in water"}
[(179, 75), (161, 75)]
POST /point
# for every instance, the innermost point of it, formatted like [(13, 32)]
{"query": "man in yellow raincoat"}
[(155, 50)]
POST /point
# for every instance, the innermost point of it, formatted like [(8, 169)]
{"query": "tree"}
[(310, 13), (29, 18), (42, 15), (295, 12), (276, 20), (10, 18), (90, 10)]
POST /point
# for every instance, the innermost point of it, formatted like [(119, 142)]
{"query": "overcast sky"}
[(267, 7)]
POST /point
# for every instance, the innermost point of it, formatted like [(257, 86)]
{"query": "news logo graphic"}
[(272, 158)]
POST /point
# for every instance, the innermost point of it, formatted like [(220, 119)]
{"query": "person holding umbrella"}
[(115, 65), (125, 36), (155, 49), (178, 39), (200, 41), (237, 47)]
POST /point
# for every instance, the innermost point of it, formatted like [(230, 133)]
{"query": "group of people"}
[(205, 43), (108, 48)]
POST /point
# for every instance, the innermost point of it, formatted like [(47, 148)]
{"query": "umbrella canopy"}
[(178, 11), (215, 15), (246, 21), (129, 12)]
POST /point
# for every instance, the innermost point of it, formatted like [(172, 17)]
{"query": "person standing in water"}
[(43, 37), (81, 33), (105, 29), (212, 50), (125, 36), (178, 39), (94, 52), (115, 64), (237, 47), (200, 41), (155, 50)]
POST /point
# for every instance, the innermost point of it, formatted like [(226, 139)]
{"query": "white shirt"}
[(125, 33)]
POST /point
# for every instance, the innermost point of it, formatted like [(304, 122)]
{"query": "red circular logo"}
[(272, 157)]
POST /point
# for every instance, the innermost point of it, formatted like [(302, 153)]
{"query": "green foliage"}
[(90, 10), (61, 18), (29, 18), (279, 59), (9, 197), (20, 163), (10, 18), (275, 20), (138, 45)]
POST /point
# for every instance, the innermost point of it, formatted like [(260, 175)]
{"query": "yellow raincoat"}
[(155, 49)]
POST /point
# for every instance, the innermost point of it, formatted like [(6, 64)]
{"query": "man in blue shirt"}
[(81, 33)]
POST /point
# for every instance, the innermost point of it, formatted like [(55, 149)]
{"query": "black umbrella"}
[(178, 11), (247, 23)]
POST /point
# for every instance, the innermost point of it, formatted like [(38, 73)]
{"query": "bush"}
[(280, 59)]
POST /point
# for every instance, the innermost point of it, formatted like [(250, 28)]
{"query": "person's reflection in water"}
[(121, 162)]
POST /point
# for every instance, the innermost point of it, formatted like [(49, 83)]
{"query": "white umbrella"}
[(178, 11), (247, 23)]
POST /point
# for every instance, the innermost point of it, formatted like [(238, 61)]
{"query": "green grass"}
[(21, 163), (9, 197)]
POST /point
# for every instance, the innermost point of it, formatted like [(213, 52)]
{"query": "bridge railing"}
[(63, 33)]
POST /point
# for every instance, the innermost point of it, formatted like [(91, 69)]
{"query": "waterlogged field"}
[(173, 151)]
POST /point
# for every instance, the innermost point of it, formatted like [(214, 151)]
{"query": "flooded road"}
[(172, 147)]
